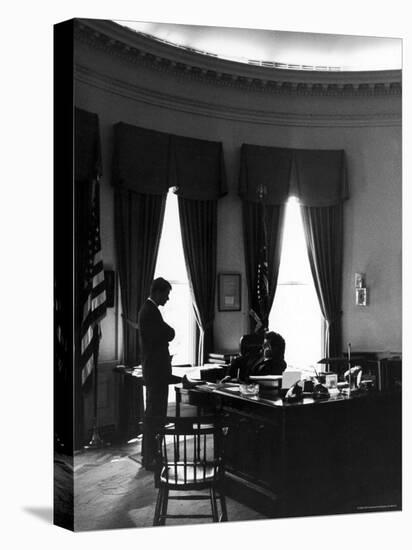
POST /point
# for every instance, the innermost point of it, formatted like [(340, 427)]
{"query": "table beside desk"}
[(341, 454), (131, 419)]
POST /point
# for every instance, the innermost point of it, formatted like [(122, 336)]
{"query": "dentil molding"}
[(140, 49)]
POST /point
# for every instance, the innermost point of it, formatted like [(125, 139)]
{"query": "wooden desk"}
[(335, 455)]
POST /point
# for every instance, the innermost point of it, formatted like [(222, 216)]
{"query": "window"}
[(295, 312), (178, 311)]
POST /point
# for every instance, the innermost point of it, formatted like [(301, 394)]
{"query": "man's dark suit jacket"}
[(154, 337)]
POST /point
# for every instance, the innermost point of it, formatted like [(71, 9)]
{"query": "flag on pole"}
[(260, 312), (94, 291), (262, 286), (262, 289)]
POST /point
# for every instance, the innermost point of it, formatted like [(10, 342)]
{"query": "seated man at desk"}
[(270, 360)]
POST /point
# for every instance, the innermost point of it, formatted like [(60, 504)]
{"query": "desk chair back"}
[(251, 344)]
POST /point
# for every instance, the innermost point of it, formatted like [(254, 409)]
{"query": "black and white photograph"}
[(200, 150), (227, 281)]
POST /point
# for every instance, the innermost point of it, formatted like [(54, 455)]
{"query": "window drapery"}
[(197, 169), (323, 227), (145, 164), (198, 221), (265, 174), (321, 187), (140, 159), (199, 179), (138, 225), (140, 178), (262, 235), (320, 177), (264, 189)]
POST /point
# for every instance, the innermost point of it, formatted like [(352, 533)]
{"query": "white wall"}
[(367, 127)]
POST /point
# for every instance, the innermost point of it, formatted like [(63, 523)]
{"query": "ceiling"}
[(281, 49)]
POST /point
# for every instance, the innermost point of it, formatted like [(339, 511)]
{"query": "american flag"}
[(262, 288), (94, 291), (260, 312), (262, 285), (60, 337)]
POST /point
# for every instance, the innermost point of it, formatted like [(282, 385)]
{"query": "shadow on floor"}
[(45, 513)]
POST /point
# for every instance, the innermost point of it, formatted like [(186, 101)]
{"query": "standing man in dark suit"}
[(154, 338)]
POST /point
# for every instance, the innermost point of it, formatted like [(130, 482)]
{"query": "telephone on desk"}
[(313, 387), (353, 377), (294, 393)]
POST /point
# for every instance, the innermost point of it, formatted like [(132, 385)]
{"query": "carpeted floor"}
[(113, 491)]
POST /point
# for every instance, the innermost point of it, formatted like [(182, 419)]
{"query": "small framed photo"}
[(359, 277), (361, 296), (229, 292)]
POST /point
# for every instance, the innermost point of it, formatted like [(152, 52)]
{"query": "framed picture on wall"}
[(229, 292), (361, 296)]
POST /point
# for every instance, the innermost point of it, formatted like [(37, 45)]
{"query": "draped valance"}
[(320, 177), (141, 159), (149, 162), (87, 152), (196, 168), (266, 175)]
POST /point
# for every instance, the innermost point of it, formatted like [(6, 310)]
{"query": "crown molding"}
[(108, 84), (141, 50)]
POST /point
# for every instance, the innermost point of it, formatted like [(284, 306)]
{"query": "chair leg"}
[(223, 505), (158, 506), (164, 506), (213, 503)]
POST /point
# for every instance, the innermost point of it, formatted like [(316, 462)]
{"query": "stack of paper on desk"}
[(268, 381)]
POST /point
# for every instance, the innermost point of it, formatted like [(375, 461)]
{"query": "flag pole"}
[(262, 282), (96, 300), (96, 441)]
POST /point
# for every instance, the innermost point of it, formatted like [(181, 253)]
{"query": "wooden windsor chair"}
[(190, 459)]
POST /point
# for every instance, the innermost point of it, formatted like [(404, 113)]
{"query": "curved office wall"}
[(125, 77)]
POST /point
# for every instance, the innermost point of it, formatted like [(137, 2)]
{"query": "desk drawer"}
[(252, 448)]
